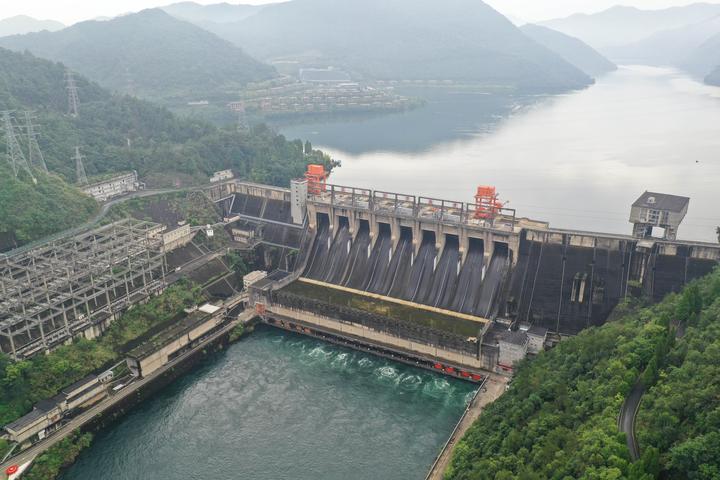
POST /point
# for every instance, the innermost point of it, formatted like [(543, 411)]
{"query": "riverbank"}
[(490, 391), (131, 394), (243, 411)]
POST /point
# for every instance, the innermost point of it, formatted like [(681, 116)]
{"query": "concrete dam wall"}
[(432, 276), (440, 254)]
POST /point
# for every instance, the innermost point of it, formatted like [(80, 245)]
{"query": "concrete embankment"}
[(131, 394), (488, 393)]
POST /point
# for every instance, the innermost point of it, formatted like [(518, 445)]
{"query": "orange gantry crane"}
[(487, 205), (316, 177)]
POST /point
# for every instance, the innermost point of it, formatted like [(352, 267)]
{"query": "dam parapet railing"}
[(413, 207)]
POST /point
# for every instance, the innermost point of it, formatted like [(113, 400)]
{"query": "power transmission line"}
[(72, 90), (35, 155), (80, 168), (14, 153)]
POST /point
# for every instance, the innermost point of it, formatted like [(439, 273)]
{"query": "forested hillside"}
[(559, 418), (118, 133), (31, 211), (463, 40), (149, 54)]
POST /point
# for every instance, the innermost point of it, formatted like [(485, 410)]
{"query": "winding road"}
[(626, 421), (93, 221)]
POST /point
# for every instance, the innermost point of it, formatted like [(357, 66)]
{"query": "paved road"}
[(92, 222), (626, 421)]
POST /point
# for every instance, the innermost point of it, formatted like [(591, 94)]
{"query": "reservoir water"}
[(577, 160), (280, 406)]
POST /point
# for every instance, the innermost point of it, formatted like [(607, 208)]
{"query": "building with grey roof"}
[(658, 210)]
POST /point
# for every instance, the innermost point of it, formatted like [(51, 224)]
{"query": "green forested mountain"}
[(714, 77), (31, 211), (464, 40), (571, 49), (149, 54), (559, 418), (118, 133)]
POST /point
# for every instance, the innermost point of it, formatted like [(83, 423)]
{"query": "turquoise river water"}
[(281, 406)]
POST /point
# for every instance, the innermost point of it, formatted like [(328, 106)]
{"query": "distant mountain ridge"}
[(668, 47), (714, 77), (22, 24), (621, 25), (572, 49), (686, 37), (150, 53), (463, 40), (214, 13)]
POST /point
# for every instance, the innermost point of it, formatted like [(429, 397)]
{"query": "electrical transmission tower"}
[(242, 124), (80, 168), (14, 152), (35, 156), (72, 90)]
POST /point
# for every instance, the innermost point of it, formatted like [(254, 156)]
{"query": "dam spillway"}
[(429, 277), (437, 253)]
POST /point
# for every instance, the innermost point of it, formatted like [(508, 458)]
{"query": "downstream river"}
[(279, 406), (577, 160)]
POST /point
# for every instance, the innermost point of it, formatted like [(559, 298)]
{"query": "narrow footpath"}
[(489, 392)]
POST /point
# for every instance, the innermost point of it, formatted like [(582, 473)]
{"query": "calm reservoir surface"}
[(577, 160), (281, 406)]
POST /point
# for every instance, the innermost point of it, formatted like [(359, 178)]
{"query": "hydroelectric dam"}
[(460, 287)]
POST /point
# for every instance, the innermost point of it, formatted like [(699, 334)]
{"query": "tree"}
[(308, 151), (717, 230)]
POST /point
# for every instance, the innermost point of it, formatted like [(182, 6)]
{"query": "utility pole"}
[(35, 155), (14, 152), (80, 168), (72, 90)]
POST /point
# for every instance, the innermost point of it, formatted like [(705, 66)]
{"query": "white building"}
[(253, 277), (177, 237), (221, 176), (106, 189), (298, 200)]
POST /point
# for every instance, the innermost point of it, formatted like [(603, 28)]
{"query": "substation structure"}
[(76, 286)]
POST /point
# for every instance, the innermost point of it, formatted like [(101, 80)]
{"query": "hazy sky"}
[(70, 11)]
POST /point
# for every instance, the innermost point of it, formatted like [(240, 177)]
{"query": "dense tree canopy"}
[(119, 133), (559, 418)]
